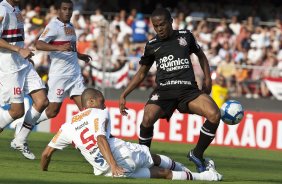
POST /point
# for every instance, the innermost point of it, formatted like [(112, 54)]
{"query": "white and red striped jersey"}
[(12, 31), (62, 63), (82, 132)]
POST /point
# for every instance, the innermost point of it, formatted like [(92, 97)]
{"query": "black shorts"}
[(174, 99)]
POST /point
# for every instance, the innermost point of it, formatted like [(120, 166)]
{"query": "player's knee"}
[(156, 159), (164, 173), (147, 121), (214, 115), (41, 104), (17, 113), (53, 113), (45, 103)]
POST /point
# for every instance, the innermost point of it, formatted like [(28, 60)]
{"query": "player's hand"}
[(26, 53), (122, 107), (117, 171), (64, 47), (207, 85), (84, 57)]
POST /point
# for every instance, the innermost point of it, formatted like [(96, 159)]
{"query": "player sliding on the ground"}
[(89, 131)]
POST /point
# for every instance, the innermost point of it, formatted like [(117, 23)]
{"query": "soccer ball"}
[(232, 112)]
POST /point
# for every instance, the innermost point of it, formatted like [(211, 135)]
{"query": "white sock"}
[(32, 116), (30, 119), (204, 176), (5, 118), (181, 175), (42, 117), (168, 163)]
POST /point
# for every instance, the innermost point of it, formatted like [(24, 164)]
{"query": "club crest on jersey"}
[(69, 31), (182, 41), (155, 97)]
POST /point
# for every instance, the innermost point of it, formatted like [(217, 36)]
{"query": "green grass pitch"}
[(238, 165)]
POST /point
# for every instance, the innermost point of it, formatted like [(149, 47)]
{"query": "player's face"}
[(98, 103), (162, 26), (65, 12)]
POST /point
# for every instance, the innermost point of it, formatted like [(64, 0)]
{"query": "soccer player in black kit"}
[(176, 84)]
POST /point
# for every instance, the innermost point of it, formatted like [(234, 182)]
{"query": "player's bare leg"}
[(206, 107), (152, 113), (165, 162), (40, 102), (53, 109), (157, 172), (77, 100), (16, 111)]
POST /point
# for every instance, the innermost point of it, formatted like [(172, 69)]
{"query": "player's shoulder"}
[(91, 113), (184, 32), (81, 115), (152, 41), (151, 44), (3, 8), (3, 4), (53, 24), (98, 112)]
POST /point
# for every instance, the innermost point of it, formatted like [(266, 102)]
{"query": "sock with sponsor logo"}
[(207, 135), (146, 135), (30, 119), (5, 118)]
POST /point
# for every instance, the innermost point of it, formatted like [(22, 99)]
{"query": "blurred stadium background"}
[(242, 40)]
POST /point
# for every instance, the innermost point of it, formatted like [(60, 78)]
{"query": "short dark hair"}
[(161, 12), (90, 93), (59, 3)]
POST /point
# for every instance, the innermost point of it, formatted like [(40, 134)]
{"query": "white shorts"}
[(13, 86), (62, 86), (132, 157)]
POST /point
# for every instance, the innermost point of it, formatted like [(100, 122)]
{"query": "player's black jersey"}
[(172, 56)]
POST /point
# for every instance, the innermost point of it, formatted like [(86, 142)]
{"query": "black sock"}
[(207, 135), (146, 135)]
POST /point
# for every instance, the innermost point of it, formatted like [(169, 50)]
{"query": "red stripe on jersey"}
[(122, 77), (59, 42), (12, 31)]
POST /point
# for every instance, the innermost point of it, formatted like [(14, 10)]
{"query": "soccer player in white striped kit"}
[(89, 131), (65, 78), (17, 75)]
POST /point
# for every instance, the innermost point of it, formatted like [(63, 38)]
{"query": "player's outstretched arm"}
[(84, 57), (6, 45), (24, 52), (46, 157), (107, 154), (137, 79), (41, 45), (207, 83)]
